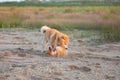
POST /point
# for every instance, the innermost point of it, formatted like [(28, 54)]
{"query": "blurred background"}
[(96, 20)]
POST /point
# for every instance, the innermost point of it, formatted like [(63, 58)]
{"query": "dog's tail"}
[(44, 28)]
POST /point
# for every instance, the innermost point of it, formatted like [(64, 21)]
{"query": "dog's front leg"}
[(46, 45), (54, 42), (42, 49)]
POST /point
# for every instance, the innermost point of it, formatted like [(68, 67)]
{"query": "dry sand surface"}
[(21, 59)]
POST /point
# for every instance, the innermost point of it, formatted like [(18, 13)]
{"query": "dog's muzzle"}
[(66, 48)]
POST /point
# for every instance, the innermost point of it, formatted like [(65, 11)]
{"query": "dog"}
[(51, 38), (60, 51)]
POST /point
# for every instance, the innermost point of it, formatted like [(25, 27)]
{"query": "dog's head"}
[(65, 41), (51, 52)]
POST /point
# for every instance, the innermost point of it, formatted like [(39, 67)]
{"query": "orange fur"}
[(53, 37), (60, 51)]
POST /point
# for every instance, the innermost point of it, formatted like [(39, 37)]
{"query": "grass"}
[(104, 19), (111, 34), (63, 3), (110, 16)]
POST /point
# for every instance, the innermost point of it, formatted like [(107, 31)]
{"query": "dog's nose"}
[(66, 48)]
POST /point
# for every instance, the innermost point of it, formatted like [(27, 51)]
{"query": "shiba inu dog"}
[(59, 51), (51, 37)]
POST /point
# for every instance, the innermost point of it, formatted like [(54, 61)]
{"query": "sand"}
[(21, 59)]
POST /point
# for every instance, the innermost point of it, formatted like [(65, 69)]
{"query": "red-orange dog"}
[(60, 51), (52, 37)]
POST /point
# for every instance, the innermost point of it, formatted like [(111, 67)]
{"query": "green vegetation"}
[(104, 20), (63, 3), (110, 33)]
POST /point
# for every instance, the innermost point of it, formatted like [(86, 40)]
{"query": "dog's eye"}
[(66, 48)]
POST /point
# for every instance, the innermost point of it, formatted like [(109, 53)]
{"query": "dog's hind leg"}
[(54, 41), (43, 44)]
